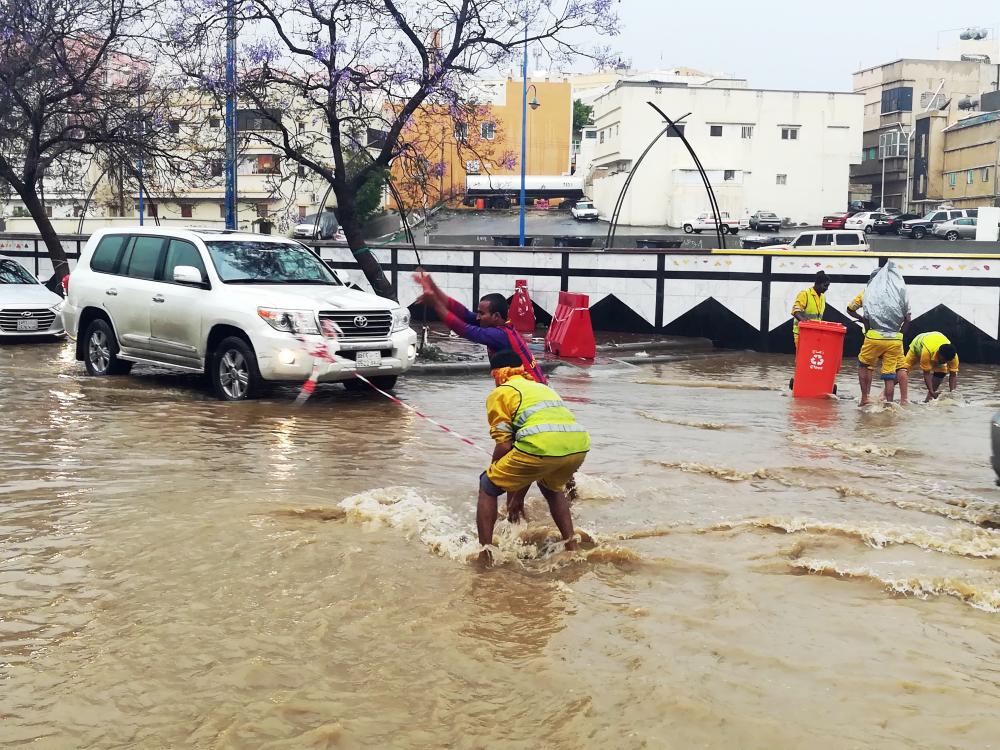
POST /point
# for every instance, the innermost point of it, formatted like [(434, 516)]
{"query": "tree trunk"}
[(56, 254), (347, 215)]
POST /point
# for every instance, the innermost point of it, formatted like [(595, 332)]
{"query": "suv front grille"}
[(360, 324), (9, 318)]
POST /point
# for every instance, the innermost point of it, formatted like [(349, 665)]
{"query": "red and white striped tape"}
[(320, 351)]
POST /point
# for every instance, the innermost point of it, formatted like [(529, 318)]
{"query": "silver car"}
[(957, 229), (27, 308)]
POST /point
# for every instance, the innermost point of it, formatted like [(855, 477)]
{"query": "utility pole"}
[(524, 123), (230, 167)]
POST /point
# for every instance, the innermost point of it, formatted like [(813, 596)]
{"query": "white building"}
[(784, 151)]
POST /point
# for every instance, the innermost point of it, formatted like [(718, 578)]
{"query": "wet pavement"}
[(757, 572)]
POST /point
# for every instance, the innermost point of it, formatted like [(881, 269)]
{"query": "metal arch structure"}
[(714, 205)]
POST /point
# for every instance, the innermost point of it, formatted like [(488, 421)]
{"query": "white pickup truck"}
[(707, 221)]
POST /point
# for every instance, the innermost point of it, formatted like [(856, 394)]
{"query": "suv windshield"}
[(253, 262), (14, 273), (584, 205), (767, 216)]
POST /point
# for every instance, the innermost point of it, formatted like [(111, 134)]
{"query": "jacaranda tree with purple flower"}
[(75, 85), (343, 80)]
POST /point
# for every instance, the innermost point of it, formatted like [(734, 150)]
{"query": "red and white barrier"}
[(571, 333), (522, 311)]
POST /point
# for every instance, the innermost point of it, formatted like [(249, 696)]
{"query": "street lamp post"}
[(524, 123)]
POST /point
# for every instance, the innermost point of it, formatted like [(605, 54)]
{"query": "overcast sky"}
[(801, 44)]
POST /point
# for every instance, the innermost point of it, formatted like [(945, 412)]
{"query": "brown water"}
[(763, 573)]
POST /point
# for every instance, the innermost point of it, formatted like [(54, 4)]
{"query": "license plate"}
[(368, 359), (29, 324)]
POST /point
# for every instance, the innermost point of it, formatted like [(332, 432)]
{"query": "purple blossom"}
[(436, 169), (322, 53), (508, 160), (262, 52), (6, 34)]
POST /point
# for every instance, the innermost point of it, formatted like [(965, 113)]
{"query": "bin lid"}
[(823, 325)]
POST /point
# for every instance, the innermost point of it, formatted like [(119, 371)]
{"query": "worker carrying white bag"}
[(886, 305)]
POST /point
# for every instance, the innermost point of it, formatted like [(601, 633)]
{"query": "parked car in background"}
[(309, 229), (856, 207), (957, 229), (243, 309), (920, 228), (834, 240), (763, 221), (584, 211), (889, 224), (835, 220), (706, 220), (27, 308), (865, 221)]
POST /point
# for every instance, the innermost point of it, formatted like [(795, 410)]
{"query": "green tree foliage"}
[(582, 114)]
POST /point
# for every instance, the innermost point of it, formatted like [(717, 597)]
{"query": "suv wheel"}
[(919, 233), (101, 356), (868, 230), (952, 236), (233, 370), (385, 382)]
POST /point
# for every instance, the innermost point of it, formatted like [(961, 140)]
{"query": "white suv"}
[(231, 305)]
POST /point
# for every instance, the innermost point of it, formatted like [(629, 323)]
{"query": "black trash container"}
[(658, 244), (507, 241), (572, 242)]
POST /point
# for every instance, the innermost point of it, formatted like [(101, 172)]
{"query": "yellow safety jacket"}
[(809, 302), (534, 417)]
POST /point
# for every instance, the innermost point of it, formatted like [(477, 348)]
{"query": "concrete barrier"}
[(737, 298)]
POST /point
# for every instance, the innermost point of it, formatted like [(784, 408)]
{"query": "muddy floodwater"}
[(758, 572)]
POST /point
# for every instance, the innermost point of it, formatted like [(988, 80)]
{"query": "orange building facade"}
[(445, 145)]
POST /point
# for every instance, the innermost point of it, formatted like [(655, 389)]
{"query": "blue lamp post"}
[(524, 123), (230, 161)]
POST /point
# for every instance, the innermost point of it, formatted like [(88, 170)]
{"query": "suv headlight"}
[(290, 321), (400, 319)]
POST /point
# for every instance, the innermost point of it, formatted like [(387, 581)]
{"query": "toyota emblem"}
[(26, 314), (360, 321)]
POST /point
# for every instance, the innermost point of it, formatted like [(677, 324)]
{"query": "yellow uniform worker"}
[(537, 440), (810, 304), (935, 355)]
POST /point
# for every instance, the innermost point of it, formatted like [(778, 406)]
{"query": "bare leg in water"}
[(559, 508), (865, 381)]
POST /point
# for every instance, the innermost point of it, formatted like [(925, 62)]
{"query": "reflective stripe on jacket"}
[(534, 417), (811, 304)]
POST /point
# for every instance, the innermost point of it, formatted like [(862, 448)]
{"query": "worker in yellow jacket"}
[(810, 304), (537, 440), (935, 355)]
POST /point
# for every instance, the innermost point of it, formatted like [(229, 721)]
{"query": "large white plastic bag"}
[(886, 301)]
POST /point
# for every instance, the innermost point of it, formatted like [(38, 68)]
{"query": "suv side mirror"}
[(188, 275), (341, 276)]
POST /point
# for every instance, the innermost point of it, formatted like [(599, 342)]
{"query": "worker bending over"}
[(537, 440), (935, 355), (809, 304)]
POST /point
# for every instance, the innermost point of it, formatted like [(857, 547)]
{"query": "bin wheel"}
[(834, 389), (791, 383)]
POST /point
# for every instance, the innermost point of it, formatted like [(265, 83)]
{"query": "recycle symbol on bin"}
[(817, 360)]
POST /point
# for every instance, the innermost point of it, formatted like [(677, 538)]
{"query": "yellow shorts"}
[(890, 351), (518, 470)]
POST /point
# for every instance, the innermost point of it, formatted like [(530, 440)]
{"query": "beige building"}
[(908, 102), (971, 161)]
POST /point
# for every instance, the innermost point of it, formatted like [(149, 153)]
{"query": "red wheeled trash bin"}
[(817, 361)]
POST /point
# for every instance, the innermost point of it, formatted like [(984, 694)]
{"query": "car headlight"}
[(290, 321), (400, 319)]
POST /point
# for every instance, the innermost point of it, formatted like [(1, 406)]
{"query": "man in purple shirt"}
[(488, 325)]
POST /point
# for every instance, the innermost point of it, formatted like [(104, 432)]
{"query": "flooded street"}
[(760, 572)]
